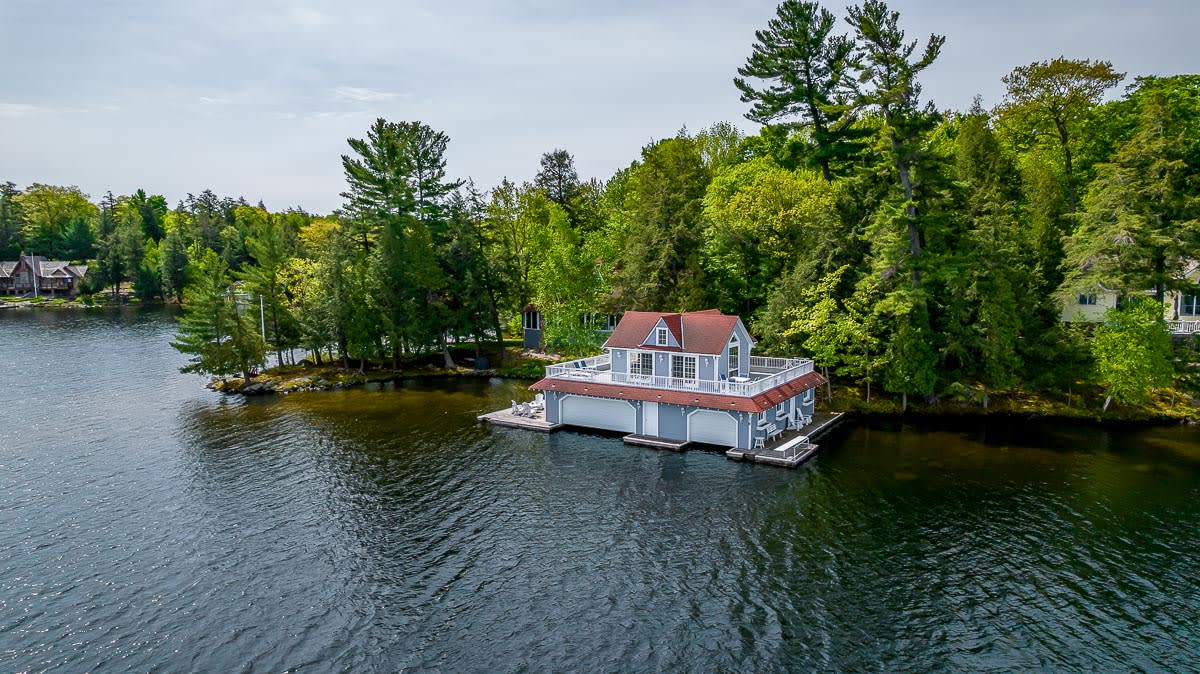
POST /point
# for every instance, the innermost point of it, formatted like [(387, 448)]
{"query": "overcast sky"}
[(256, 99)]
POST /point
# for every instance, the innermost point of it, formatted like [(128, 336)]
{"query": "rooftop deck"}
[(765, 374)]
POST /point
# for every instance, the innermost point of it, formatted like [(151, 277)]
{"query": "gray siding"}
[(552, 398), (533, 339), (620, 360), (662, 364), (706, 368), (672, 422)]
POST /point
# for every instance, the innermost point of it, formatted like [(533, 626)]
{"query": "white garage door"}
[(714, 428), (612, 415)]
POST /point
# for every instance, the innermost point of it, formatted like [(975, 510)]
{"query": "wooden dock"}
[(505, 417), (791, 448), (655, 442)]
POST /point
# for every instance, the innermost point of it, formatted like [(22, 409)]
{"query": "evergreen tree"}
[(79, 242), (173, 257), (264, 280), (11, 221), (558, 178), (219, 338), (1141, 223), (660, 262), (809, 71), (891, 72)]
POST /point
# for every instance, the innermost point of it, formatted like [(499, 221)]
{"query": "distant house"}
[(687, 377), (35, 275), (1181, 310), (533, 327)]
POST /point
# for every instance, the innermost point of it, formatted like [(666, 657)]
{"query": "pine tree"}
[(809, 71), (219, 338)]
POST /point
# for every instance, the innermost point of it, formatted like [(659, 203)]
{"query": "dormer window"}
[(660, 337)]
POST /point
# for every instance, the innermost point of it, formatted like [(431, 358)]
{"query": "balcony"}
[(1183, 327), (765, 374)]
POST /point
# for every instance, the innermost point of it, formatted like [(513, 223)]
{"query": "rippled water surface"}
[(149, 524)]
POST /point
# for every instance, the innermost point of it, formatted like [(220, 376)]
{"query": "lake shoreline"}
[(1006, 405)]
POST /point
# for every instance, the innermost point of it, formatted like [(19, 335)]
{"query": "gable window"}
[(1088, 299), (1190, 305), (660, 337), (642, 363), (683, 367), (734, 357)]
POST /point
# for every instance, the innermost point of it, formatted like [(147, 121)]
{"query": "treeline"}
[(919, 250)]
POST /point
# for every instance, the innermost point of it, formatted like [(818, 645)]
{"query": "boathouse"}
[(685, 377)]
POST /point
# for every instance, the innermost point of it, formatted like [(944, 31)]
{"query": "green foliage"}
[(808, 69), (1141, 224), (49, 213), (218, 338), (659, 267), (1060, 93), (759, 216), (1132, 350)]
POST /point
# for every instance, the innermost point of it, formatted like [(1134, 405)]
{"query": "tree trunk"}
[(828, 385), (868, 391), (448, 361), (1107, 400), (1070, 171), (985, 397), (903, 402), (910, 210)]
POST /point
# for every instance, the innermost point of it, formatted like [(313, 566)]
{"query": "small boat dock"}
[(655, 442), (791, 448), (505, 417)]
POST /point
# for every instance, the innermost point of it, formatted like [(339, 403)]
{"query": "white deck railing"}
[(773, 372), (1184, 327)]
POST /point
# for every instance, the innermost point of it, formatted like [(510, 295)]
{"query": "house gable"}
[(662, 336)]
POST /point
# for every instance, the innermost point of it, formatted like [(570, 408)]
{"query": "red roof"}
[(759, 403), (697, 331)]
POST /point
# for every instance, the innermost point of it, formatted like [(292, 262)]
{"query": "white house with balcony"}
[(685, 377), (1181, 309)]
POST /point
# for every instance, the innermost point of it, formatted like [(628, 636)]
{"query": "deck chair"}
[(539, 401)]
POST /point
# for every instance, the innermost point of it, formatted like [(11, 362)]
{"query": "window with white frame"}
[(1189, 305), (660, 338), (642, 363), (533, 320), (683, 367), (734, 357), (1088, 299)]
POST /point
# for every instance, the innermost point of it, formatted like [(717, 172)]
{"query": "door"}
[(602, 413), (713, 427), (650, 419)]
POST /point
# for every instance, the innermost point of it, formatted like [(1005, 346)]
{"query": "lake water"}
[(147, 524)]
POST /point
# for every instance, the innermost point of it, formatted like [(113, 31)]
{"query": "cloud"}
[(308, 17), (211, 100), (363, 95), (18, 110)]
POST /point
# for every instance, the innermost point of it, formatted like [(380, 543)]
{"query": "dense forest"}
[(906, 248)]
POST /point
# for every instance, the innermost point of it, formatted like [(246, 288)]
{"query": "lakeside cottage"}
[(685, 377), (35, 275), (1181, 310)]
